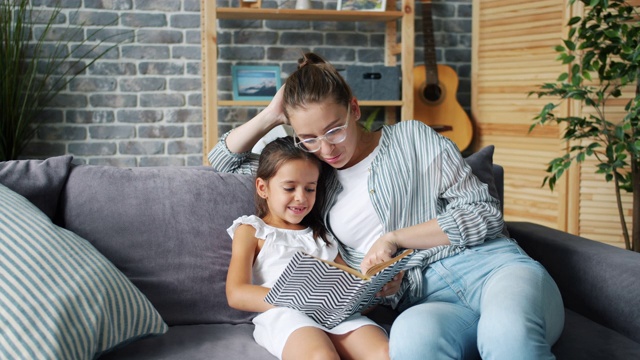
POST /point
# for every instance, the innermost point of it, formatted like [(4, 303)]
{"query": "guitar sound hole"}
[(432, 93)]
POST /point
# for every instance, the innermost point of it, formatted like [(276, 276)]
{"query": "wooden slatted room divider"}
[(513, 53)]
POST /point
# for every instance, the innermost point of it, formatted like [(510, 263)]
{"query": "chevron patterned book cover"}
[(329, 292)]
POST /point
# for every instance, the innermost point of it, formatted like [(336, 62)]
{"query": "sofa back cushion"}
[(165, 228), (40, 181)]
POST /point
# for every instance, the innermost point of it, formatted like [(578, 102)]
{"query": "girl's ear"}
[(261, 188)]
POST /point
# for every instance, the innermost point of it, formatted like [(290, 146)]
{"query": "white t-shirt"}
[(353, 219)]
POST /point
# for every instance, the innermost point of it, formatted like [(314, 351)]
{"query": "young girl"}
[(287, 181)]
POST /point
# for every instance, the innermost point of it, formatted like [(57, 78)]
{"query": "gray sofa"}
[(164, 228)]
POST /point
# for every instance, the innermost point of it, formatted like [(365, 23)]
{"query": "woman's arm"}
[(466, 213), (232, 154), (241, 293), (421, 236), (245, 136)]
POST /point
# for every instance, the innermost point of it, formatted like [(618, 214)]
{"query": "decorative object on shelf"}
[(374, 82), (603, 68), (255, 82), (251, 3), (362, 5), (303, 4)]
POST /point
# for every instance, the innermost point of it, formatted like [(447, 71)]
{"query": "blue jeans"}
[(491, 301)]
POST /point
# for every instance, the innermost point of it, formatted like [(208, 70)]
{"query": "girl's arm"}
[(242, 294)]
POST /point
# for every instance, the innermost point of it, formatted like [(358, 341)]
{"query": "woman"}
[(473, 291)]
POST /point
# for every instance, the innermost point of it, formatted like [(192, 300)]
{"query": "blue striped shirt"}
[(418, 175)]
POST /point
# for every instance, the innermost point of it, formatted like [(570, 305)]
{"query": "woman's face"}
[(316, 119)]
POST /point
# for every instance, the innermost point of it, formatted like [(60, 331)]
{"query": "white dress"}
[(273, 327)]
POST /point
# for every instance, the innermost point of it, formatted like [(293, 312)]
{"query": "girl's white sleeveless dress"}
[(273, 327)]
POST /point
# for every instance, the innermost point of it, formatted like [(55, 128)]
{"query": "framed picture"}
[(255, 82), (362, 5)]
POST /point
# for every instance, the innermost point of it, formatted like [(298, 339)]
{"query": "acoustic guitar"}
[(435, 88)]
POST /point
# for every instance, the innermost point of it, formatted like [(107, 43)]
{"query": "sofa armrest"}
[(597, 280)]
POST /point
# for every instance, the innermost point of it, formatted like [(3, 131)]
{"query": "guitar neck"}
[(429, 44)]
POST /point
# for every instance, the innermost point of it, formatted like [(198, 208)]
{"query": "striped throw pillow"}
[(59, 297)]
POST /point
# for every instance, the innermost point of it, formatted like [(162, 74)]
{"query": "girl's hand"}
[(382, 250), (392, 286)]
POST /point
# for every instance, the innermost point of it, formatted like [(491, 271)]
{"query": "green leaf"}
[(569, 44), (567, 59), (612, 34), (574, 20)]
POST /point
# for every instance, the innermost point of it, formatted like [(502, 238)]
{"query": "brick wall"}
[(141, 104)]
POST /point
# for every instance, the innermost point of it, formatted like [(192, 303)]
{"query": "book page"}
[(373, 270)]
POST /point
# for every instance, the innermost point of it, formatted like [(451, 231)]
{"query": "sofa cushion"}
[(196, 342), (40, 181), (585, 339), (165, 228), (59, 298), (481, 163), (595, 279)]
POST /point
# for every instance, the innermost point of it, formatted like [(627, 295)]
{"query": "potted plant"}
[(602, 54), (35, 69)]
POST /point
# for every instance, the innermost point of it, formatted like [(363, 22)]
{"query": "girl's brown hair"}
[(315, 80), (271, 159)]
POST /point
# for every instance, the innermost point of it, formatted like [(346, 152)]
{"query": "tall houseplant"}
[(602, 54), (34, 69)]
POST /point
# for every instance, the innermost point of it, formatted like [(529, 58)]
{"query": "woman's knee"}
[(434, 331), (521, 311)]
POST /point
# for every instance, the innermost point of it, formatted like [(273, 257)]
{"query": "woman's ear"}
[(261, 188), (355, 108)]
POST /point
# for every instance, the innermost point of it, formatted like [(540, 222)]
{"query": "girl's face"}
[(290, 194), (316, 119)]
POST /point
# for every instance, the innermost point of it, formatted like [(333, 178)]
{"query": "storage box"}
[(376, 82)]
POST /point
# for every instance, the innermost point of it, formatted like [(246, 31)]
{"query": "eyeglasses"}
[(333, 136)]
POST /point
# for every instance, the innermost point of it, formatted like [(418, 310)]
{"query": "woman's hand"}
[(276, 108), (382, 250)]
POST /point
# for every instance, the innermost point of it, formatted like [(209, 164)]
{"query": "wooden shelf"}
[(310, 15), (210, 14)]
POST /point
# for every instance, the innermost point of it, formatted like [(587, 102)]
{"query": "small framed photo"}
[(255, 82), (362, 5)]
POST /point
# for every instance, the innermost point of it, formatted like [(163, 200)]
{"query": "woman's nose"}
[(326, 147)]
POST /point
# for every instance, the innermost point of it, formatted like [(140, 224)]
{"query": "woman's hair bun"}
[(310, 59)]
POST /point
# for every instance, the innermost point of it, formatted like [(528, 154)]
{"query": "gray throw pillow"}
[(40, 181), (165, 228), (481, 163)]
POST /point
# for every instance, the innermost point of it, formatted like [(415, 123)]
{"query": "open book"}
[(329, 292)]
